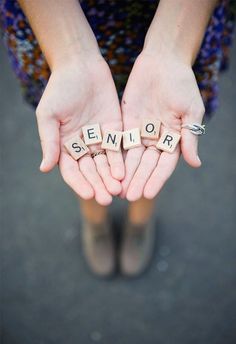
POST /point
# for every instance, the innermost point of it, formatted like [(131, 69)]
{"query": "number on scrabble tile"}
[(92, 134), (76, 147), (112, 140), (150, 128), (131, 138), (168, 141)]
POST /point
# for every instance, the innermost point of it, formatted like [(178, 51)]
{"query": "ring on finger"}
[(98, 152), (195, 128)]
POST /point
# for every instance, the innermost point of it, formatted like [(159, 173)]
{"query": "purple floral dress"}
[(120, 28)]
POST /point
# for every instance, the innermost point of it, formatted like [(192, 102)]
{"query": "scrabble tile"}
[(168, 141), (150, 128), (112, 140), (76, 147), (131, 138), (92, 134)]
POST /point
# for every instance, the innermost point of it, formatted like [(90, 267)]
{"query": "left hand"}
[(164, 88)]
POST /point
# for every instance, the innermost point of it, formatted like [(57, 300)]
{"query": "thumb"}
[(48, 128), (189, 148), (189, 141)]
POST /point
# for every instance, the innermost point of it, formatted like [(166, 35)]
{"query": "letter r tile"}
[(168, 141), (92, 134)]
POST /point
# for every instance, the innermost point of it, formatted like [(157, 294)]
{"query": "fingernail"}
[(199, 160), (42, 164)]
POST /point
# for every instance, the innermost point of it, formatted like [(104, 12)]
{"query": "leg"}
[(140, 211), (97, 239), (138, 238), (93, 212)]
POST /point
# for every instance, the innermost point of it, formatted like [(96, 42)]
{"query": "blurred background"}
[(47, 294)]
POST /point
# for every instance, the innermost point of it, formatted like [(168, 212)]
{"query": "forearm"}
[(60, 27), (178, 28)]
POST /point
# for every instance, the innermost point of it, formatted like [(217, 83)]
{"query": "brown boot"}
[(137, 248), (98, 247)]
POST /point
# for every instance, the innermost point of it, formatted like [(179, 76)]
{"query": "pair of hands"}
[(82, 91)]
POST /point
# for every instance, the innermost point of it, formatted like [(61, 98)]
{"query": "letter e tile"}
[(92, 134)]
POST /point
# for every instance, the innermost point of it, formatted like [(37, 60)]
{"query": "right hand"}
[(81, 91)]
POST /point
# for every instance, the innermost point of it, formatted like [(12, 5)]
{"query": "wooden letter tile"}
[(131, 138), (150, 128), (112, 140), (92, 134), (76, 147), (168, 141)]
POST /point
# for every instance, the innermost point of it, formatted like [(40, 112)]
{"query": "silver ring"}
[(195, 128), (99, 152)]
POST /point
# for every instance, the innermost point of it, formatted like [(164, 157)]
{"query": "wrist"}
[(178, 28), (73, 52), (166, 57), (168, 47)]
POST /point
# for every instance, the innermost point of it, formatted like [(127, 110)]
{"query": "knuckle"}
[(196, 111), (38, 111), (201, 110), (42, 112)]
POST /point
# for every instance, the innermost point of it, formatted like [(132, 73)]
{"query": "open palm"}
[(163, 89), (81, 92)]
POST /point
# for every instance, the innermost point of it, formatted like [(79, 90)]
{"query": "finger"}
[(147, 165), (116, 163), (74, 178), (189, 148), (132, 161), (165, 167), (103, 168), (88, 168), (48, 128), (189, 141), (115, 159)]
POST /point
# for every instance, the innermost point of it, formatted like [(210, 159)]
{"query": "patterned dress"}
[(120, 28)]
